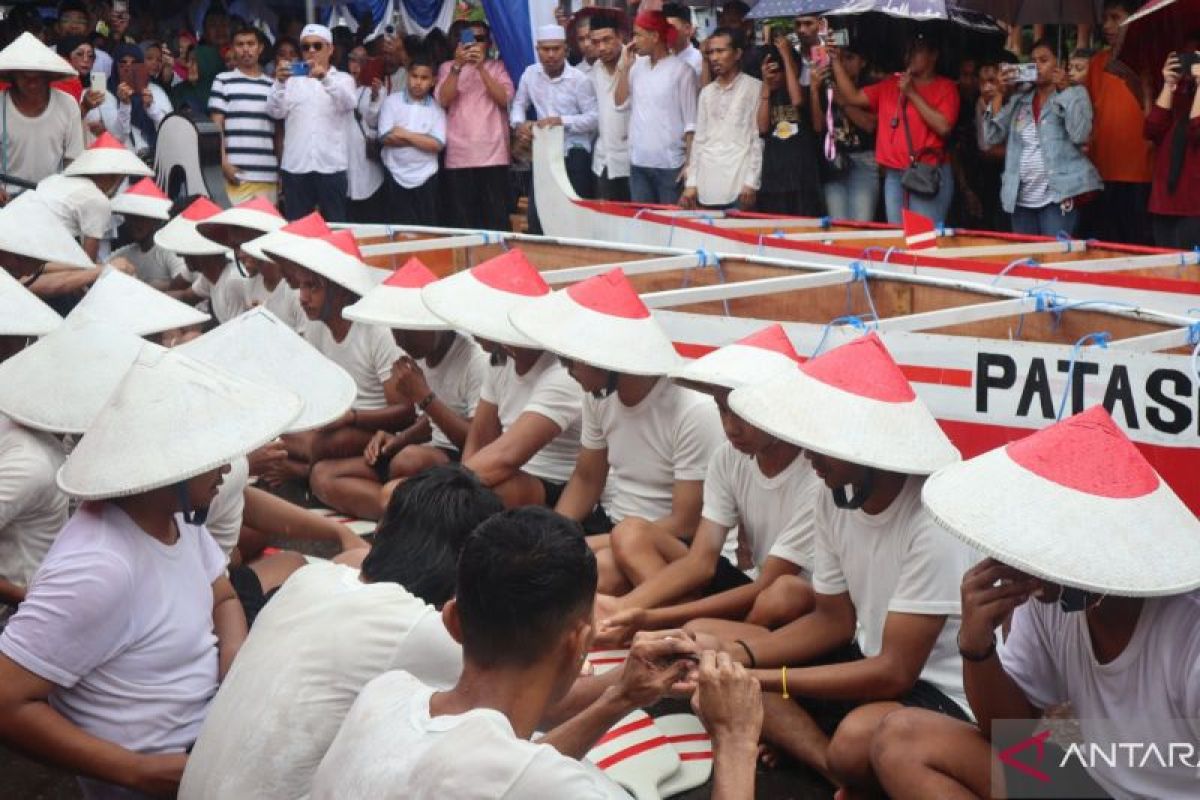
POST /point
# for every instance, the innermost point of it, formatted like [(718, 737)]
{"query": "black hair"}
[(524, 577), (678, 11), (249, 30), (1128, 6), (1083, 52), (997, 58), (736, 39), (422, 59), (423, 530), (1045, 44), (73, 5), (602, 22)]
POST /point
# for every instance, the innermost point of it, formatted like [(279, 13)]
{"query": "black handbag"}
[(921, 179)]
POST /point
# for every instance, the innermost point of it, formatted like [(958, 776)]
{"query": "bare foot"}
[(280, 472)]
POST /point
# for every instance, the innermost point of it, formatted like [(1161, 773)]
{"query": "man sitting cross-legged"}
[(645, 439), (523, 613), (885, 576), (327, 632), (1103, 612), (756, 482)]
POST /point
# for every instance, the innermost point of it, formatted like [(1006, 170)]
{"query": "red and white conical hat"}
[(602, 322), (107, 156), (335, 257), (135, 306), (852, 403), (243, 222), (22, 313), (27, 53), (311, 226), (396, 303), (180, 234), (143, 199), (1077, 504), (756, 358), (479, 300)]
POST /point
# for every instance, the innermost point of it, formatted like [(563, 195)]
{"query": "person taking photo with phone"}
[(133, 107), (1174, 127)]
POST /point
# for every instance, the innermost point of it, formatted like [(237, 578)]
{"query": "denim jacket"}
[(1064, 128)]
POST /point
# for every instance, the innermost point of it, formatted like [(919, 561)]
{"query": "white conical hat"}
[(308, 227), (60, 382), (601, 322), (22, 313), (254, 217), (397, 302), (756, 358), (852, 403), (1077, 504), (258, 346), (180, 235), (135, 306), (143, 199), (28, 54), (107, 156), (172, 418), (27, 230), (335, 257), (479, 300)]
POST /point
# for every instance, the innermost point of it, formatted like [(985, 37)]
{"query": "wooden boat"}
[(992, 362), (1168, 280)]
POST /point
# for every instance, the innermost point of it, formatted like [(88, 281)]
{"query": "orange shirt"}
[(1119, 150)]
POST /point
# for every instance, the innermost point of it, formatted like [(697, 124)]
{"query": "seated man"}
[(110, 663), (1103, 614), (654, 436), (524, 437), (756, 482), (328, 632), (146, 209), (217, 284), (523, 614), (330, 275), (885, 575), (440, 375)]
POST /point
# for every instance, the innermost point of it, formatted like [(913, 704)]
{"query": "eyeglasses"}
[(316, 46)]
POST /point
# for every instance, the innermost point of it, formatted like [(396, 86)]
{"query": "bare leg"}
[(416, 458), (306, 449), (348, 485), (789, 597), (790, 728), (726, 630), (268, 513), (919, 754), (609, 578), (849, 755), (522, 489), (643, 549), (273, 570)]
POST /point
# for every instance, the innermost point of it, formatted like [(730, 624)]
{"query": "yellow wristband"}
[(783, 681)]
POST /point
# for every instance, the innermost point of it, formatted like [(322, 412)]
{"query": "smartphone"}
[(467, 36), (300, 69), (139, 79), (839, 37), (99, 82), (818, 55), (372, 69), (1025, 73)]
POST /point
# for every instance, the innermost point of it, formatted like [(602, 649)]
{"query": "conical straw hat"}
[(335, 257), (854, 404), (309, 227), (762, 355), (143, 199), (396, 303), (22, 313), (1076, 504), (172, 418), (258, 346), (131, 304), (27, 230), (107, 156), (28, 54), (254, 217), (601, 322), (180, 235), (60, 382), (479, 300)]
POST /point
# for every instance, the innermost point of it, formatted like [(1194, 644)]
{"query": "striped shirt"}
[(249, 129), (1035, 189)]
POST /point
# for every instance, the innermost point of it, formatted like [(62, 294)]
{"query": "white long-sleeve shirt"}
[(315, 136), (569, 96), (727, 150), (118, 117), (363, 176), (612, 138), (662, 99)]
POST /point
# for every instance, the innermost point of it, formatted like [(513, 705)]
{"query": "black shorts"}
[(726, 577), (249, 591), (597, 523), (553, 491)]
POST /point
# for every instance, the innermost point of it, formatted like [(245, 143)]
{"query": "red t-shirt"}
[(891, 148)]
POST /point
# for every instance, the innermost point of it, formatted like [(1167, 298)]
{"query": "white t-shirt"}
[(1152, 688), (224, 521), (670, 436), (77, 203), (38, 145), (32, 508), (282, 301), (456, 380), (898, 560), (775, 515), (322, 637), (548, 390), (122, 625), (228, 297), (367, 353), (390, 747), (156, 266)]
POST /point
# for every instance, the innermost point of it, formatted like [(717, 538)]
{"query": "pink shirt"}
[(476, 128)]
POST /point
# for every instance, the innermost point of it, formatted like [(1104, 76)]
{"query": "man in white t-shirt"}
[(523, 614), (328, 632), (885, 575), (1103, 613), (646, 439), (145, 210), (112, 659)]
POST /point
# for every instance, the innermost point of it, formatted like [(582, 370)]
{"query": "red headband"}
[(657, 22)]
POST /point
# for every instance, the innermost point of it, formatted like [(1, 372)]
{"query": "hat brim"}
[(239, 225), (27, 230), (897, 437), (1137, 547), (468, 304), (395, 307), (258, 346), (181, 237), (135, 306), (23, 313), (107, 161), (633, 346), (734, 366), (321, 257), (138, 205), (28, 54)]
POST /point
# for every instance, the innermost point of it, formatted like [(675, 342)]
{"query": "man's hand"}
[(124, 92), (628, 56), (990, 592), (376, 88), (283, 71), (463, 55), (904, 83), (620, 627), (525, 132), (747, 199), (410, 380), (380, 445), (147, 97), (92, 98), (476, 54), (549, 122), (230, 172), (689, 198), (159, 774), (1172, 71), (318, 71), (659, 663), (728, 700), (266, 456)]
